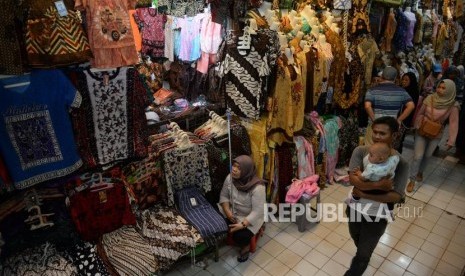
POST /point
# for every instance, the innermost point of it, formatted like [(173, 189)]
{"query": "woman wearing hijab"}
[(439, 106), (242, 201)]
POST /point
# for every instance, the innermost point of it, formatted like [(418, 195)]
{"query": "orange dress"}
[(110, 33)]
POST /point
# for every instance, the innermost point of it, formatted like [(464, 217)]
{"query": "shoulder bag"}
[(431, 128)]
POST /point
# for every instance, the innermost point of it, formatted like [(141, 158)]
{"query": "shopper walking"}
[(410, 84), (369, 216), (460, 143), (439, 106), (387, 99)]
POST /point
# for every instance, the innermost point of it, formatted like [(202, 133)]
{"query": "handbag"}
[(431, 128)]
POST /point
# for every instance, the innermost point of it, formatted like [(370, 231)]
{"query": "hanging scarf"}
[(445, 101), (248, 179)]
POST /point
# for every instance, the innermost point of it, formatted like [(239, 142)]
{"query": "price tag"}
[(193, 201), (61, 8)]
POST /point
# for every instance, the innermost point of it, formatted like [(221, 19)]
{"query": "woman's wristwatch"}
[(243, 224)]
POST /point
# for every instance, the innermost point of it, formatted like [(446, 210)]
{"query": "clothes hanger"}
[(184, 142)]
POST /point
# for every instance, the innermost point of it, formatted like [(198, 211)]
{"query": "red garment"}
[(95, 213)]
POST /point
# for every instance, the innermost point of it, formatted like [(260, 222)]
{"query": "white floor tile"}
[(447, 269), (430, 216), (300, 248), (247, 268), (263, 273), (327, 249), (376, 260), (382, 250), (419, 269), (333, 268), (336, 239), (294, 231), (370, 271), (305, 268), (343, 258), (285, 238), (394, 231), (453, 259), (436, 202), (274, 248), (425, 224), (322, 273), (388, 240), (261, 257), (311, 239), (406, 249), (442, 231), (399, 259), (391, 268), (276, 268), (413, 240), (289, 258), (438, 240), (457, 248), (219, 268), (292, 273), (426, 259), (432, 249), (418, 231), (380, 273), (349, 247), (317, 258), (320, 230)]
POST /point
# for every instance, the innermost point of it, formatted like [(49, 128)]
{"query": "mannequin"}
[(411, 25), (295, 42), (304, 45), (322, 39), (296, 20), (296, 29), (275, 25), (335, 28), (282, 40), (270, 16), (428, 13), (289, 52), (315, 31), (308, 13), (264, 8), (329, 19)]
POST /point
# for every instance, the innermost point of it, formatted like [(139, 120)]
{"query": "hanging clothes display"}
[(12, 59), (152, 26), (287, 108), (54, 37), (110, 126), (38, 142), (186, 167), (110, 33)]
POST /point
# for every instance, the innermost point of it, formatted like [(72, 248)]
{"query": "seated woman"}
[(242, 201)]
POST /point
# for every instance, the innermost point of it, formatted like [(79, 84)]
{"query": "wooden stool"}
[(253, 241)]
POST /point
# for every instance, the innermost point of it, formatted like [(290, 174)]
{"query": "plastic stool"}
[(253, 241), (302, 219)]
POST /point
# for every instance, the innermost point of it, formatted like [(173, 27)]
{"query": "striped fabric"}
[(387, 99), (196, 210), (129, 253)]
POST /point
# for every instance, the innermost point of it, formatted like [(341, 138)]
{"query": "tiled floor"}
[(430, 243)]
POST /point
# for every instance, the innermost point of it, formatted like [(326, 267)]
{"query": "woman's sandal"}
[(243, 257)]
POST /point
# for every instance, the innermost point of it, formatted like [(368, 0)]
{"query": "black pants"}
[(241, 237), (366, 235)]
